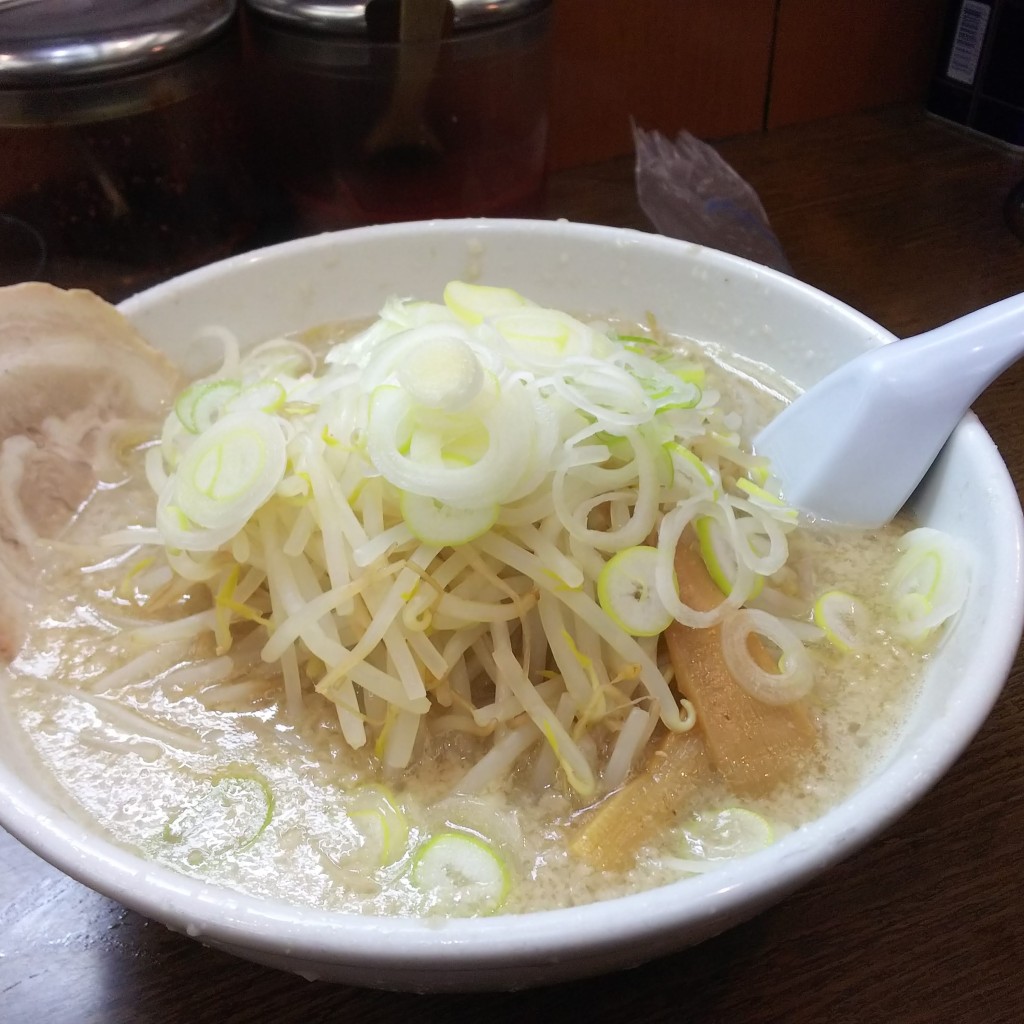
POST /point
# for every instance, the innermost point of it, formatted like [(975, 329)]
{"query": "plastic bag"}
[(689, 192)]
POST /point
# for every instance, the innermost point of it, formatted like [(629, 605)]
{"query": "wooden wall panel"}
[(669, 64), (840, 56)]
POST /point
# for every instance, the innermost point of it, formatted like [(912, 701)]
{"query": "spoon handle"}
[(958, 360)]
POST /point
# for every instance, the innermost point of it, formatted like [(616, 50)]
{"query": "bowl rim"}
[(217, 914)]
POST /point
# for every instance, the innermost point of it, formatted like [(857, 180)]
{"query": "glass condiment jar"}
[(366, 122), (126, 155)]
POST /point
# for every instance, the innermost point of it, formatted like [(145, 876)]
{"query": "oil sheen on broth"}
[(215, 779)]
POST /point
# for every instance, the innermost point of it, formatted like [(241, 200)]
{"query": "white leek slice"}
[(621, 449), (381, 822), (476, 302), (230, 470), (545, 338), (442, 373), (437, 523), (689, 372), (664, 466), (462, 874), (794, 677), (665, 389), (264, 396), (719, 556), (536, 332), (693, 469), (928, 584), (628, 595), (229, 815), (764, 499), (279, 357), (843, 619), (492, 477), (200, 403), (728, 833)]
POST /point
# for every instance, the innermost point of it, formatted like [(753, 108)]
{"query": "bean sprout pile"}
[(464, 519)]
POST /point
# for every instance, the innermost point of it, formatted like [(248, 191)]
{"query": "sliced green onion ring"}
[(476, 302), (380, 819), (843, 619), (794, 677), (669, 534), (230, 470), (719, 556), (200, 403), (689, 465), (229, 815), (627, 592), (928, 584), (462, 874), (726, 834), (435, 522)]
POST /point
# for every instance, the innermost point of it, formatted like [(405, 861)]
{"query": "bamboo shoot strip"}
[(611, 837), (753, 745)]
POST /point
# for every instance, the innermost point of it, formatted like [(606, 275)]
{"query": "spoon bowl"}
[(853, 447)]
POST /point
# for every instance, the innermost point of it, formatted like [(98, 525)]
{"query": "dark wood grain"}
[(850, 55), (705, 64), (902, 218)]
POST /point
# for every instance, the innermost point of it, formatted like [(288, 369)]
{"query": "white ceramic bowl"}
[(693, 291)]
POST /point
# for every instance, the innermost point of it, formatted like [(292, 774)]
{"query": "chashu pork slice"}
[(72, 369)]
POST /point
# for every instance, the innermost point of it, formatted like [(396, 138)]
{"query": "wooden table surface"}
[(902, 218)]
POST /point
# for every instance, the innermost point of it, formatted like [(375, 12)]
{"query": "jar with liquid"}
[(126, 148), (402, 109)]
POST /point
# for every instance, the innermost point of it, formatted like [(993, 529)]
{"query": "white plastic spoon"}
[(853, 447)]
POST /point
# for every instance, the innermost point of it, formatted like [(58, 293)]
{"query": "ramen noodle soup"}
[(478, 607)]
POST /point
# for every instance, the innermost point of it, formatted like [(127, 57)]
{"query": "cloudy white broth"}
[(477, 608)]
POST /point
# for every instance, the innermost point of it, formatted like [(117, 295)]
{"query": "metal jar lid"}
[(349, 17), (60, 42)]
